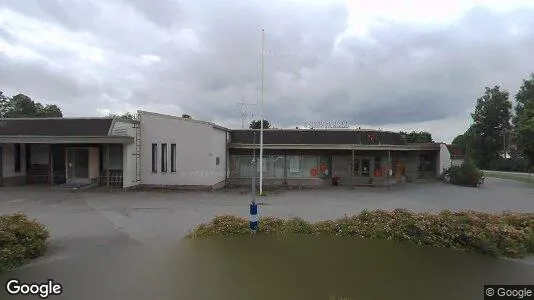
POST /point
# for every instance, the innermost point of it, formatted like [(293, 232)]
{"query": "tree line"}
[(501, 136), (22, 106)]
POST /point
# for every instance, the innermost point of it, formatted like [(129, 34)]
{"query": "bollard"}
[(253, 217)]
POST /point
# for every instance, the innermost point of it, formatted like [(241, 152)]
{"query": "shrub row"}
[(20, 239), (506, 234)]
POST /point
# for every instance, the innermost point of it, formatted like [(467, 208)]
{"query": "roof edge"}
[(183, 119)]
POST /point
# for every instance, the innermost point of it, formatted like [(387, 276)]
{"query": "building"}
[(457, 156), (357, 157), (162, 150)]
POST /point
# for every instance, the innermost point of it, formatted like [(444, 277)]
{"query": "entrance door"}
[(366, 167), (1, 166), (77, 168)]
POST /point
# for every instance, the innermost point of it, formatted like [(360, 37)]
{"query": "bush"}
[(21, 239), (506, 234), (466, 175)]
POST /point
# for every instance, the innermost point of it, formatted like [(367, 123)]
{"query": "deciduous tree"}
[(524, 119), (417, 137), (491, 126), (126, 115), (256, 124), (22, 106)]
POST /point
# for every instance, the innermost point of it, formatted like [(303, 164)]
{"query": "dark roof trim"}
[(318, 137), (66, 127), (334, 147), (66, 139)]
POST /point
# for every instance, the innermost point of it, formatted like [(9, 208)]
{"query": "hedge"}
[(506, 234), (21, 239)]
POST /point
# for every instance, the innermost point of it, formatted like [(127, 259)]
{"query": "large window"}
[(18, 158), (154, 158), (173, 157), (273, 166), (163, 158), (294, 164)]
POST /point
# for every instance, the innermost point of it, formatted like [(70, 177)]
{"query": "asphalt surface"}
[(83, 222)]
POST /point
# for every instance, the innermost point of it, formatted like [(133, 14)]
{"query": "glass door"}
[(1, 167), (77, 166), (70, 164), (366, 167)]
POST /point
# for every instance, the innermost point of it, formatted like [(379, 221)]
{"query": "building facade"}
[(354, 157), (180, 152)]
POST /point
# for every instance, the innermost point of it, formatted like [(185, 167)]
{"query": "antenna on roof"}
[(243, 113)]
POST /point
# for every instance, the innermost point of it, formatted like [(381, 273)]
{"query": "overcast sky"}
[(410, 65)]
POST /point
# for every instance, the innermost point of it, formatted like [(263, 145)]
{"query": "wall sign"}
[(326, 124)]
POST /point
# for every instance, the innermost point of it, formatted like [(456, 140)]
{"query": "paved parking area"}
[(82, 222)]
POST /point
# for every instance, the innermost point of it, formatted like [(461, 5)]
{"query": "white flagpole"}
[(261, 113)]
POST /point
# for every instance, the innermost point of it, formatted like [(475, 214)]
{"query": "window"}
[(163, 157), (294, 164), (154, 158), (18, 158), (173, 157), (217, 161)]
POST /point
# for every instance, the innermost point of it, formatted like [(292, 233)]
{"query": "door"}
[(366, 167), (1, 166), (77, 165)]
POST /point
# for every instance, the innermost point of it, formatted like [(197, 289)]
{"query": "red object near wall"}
[(313, 172), (378, 173)]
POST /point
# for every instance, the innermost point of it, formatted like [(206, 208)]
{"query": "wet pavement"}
[(82, 222)]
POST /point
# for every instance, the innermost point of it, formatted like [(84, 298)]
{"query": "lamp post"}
[(253, 207), (261, 113)]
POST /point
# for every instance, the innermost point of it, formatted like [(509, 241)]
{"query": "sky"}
[(393, 65)]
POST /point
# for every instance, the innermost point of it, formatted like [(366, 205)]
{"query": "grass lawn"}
[(510, 176)]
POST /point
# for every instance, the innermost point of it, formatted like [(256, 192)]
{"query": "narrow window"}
[(18, 158), (217, 161), (163, 157), (173, 157), (154, 158)]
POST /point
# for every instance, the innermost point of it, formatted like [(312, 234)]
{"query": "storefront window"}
[(273, 166)]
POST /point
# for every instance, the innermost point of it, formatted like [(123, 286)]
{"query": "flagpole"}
[(261, 113)]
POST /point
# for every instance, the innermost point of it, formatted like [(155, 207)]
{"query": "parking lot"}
[(82, 222)]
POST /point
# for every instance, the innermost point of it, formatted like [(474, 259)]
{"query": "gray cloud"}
[(201, 57)]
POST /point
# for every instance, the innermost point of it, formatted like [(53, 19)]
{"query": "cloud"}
[(202, 57)]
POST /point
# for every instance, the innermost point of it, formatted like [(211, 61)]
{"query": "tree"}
[(491, 126), (417, 137), (465, 140), (256, 124), (22, 106), (524, 119), (126, 115), (3, 104)]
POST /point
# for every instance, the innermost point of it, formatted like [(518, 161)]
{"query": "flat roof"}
[(57, 127), (317, 137)]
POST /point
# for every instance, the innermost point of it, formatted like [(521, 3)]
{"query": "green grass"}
[(505, 175)]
